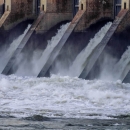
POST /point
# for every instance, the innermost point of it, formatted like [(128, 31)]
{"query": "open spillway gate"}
[(22, 44), (98, 50), (117, 7), (75, 7), (61, 43), (89, 63), (91, 60)]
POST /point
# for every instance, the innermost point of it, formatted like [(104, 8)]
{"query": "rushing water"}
[(123, 66), (79, 63), (63, 98), (63, 102), (5, 57), (37, 64)]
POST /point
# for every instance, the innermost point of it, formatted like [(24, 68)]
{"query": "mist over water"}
[(75, 69), (106, 68), (78, 65), (64, 96), (122, 68), (6, 55), (113, 69), (36, 63), (32, 65)]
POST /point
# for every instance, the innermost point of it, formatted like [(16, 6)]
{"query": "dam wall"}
[(125, 4), (56, 11), (95, 10), (124, 23), (19, 11), (63, 10)]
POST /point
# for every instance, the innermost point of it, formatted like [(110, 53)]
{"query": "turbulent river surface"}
[(63, 102), (28, 103)]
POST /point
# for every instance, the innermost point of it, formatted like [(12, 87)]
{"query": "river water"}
[(63, 103), (63, 124), (28, 103)]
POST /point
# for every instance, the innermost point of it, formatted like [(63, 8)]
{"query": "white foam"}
[(63, 97), (4, 59), (37, 64), (78, 65), (123, 66)]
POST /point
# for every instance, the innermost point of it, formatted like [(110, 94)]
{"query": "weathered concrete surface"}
[(52, 19), (19, 11), (1, 2), (56, 11), (98, 50), (22, 44), (63, 40), (124, 23), (4, 17), (95, 10)]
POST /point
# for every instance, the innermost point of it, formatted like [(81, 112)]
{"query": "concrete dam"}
[(88, 39)]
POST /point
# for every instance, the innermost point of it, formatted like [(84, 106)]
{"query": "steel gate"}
[(2, 9), (75, 7), (117, 7), (38, 3)]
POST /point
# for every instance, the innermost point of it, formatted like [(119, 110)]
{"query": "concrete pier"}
[(98, 50), (63, 40), (22, 44)]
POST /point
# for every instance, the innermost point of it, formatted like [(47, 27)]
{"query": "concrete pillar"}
[(43, 6), (7, 5), (82, 5), (125, 4), (20, 10), (56, 11), (95, 10)]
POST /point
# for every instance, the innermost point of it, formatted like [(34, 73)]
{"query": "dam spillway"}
[(103, 43), (40, 59), (48, 57), (61, 43), (52, 43), (58, 98), (22, 44), (81, 59), (10, 51)]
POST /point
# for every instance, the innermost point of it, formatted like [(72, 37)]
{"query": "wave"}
[(63, 97)]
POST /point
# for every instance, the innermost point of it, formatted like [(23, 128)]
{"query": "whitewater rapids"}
[(64, 97), (81, 60)]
